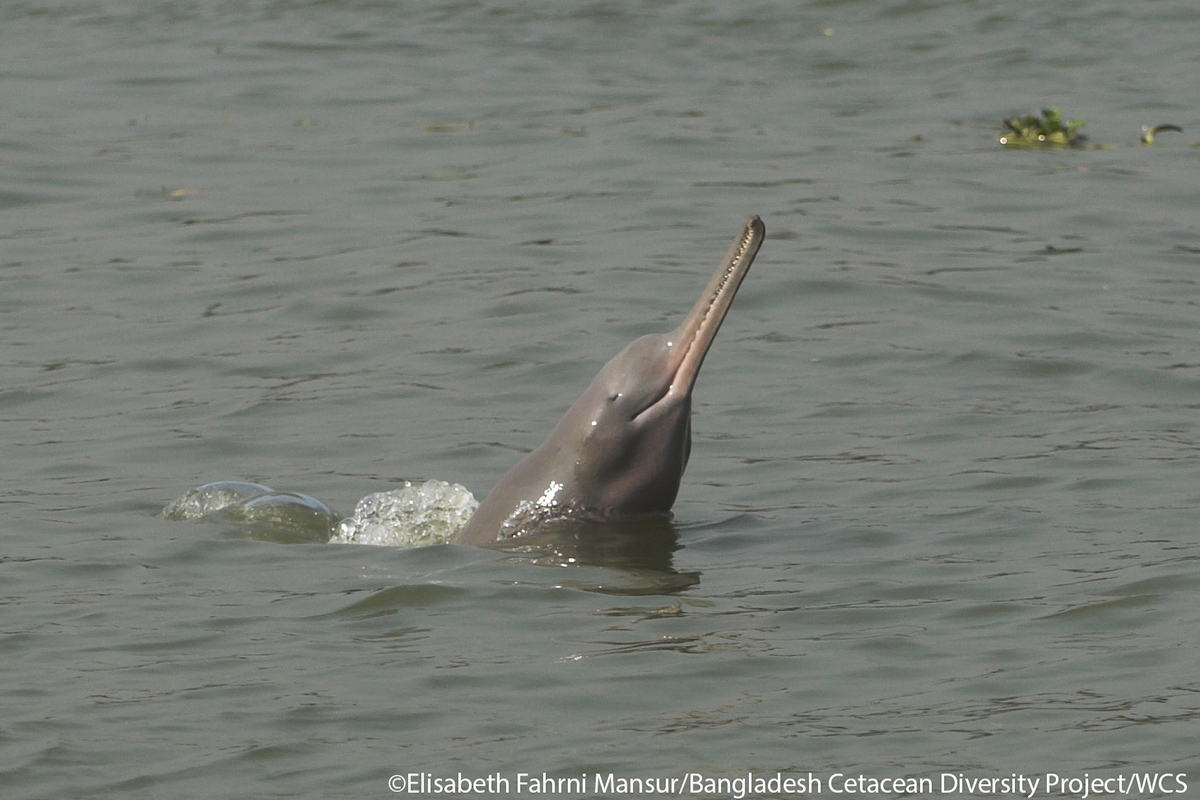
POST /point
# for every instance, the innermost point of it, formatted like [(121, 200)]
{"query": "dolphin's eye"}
[(614, 397)]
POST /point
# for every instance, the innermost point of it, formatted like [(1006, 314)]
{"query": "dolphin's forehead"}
[(650, 351), (644, 365)]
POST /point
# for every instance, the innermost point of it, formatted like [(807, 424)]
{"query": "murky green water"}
[(941, 510)]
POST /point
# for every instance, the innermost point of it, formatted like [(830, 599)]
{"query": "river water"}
[(940, 518)]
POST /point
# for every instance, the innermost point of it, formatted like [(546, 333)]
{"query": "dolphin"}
[(619, 452)]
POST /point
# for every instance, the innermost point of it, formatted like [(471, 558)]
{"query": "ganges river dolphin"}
[(620, 450)]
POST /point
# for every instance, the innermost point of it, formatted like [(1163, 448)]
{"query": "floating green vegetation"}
[(1048, 130)]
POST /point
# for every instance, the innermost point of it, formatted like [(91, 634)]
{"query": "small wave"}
[(204, 501), (256, 511)]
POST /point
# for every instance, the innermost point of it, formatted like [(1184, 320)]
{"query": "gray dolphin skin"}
[(619, 452)]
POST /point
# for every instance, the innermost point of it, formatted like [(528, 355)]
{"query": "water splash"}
[(409, 517)]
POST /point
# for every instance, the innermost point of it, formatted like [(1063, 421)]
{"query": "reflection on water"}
[(637, 556)]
